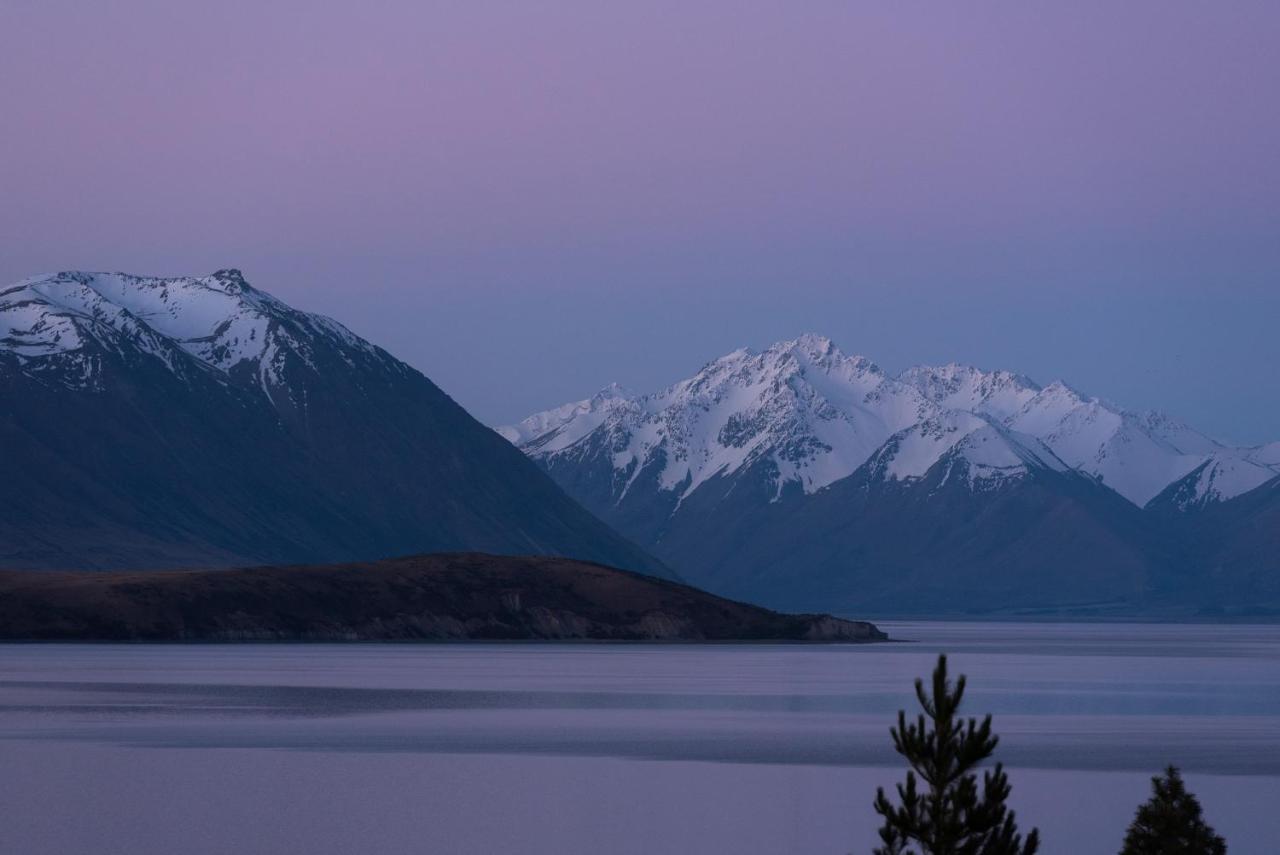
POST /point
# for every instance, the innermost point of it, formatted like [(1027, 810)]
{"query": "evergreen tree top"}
[(1171, 823), (953, 816)]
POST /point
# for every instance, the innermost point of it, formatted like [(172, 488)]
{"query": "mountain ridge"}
[(198, 421), (798, 476), (1088, 433)]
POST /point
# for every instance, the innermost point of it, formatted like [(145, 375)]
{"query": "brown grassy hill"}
[(452, 596)]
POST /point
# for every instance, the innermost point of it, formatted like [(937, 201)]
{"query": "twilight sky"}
[(530, 200)]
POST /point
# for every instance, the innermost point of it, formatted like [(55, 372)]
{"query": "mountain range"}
[(802, 477), (197, 421)]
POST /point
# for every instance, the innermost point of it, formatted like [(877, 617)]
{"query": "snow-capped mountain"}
[(1224, 474), (68, 320), (1135, 454), (583, 416), (197, 420), (998, 394), (764, 466), (801, 408), (989, 452), (814, 415)]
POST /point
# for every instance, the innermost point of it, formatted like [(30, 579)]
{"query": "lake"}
[(743, 749)]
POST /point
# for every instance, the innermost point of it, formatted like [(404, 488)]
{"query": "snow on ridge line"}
[(812, 412), (219, 319), (1227, 474), (817, 415)]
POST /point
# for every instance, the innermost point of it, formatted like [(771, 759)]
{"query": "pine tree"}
[(951, 817), (1170, 823)]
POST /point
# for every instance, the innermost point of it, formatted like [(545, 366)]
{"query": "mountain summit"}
[(189, 421), (800, 473), (813, 415)]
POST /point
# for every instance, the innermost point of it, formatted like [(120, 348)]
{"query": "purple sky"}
[(529, 200)]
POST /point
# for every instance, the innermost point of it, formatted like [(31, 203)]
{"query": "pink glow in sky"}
[(602, 191)]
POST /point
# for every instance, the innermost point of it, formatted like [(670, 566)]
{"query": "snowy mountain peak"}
[(561, 427), (1266, 455), (1137, 454), (1060, 388), (232, 278), (801, 409), (812, 342), (973, 447), (993, 454), (963, 387), (219, 321), (1224, 474), (802, 412), (818, 351), (613, 390)]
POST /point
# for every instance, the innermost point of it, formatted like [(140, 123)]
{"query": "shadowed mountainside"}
[(199, 422)]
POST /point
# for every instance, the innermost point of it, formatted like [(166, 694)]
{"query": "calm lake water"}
[(319, 749)]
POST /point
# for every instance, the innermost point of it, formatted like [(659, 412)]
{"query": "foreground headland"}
[(440, 597)]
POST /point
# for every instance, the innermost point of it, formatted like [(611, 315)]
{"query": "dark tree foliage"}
[(1170, 823), (953, 816)]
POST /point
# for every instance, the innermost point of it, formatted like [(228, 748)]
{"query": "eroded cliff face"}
[(451, 597)]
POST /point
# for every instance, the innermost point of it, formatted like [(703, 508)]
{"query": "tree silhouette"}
[(951, 817), (1170, 823)]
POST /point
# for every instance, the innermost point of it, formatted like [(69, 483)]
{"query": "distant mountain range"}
[(800, 477), (197, 421)]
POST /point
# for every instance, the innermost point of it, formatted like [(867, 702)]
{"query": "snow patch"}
[(219, 320)]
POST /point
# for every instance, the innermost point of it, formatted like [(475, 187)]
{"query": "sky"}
[(528, 201)]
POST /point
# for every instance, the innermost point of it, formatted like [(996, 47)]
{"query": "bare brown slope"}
[(428, 597)]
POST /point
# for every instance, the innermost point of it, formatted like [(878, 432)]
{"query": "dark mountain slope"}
[(274, 436), (1248, 559), (1048, 540), (1237, 543)]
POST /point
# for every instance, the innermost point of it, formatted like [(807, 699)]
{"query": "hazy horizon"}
[(527, 204)]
